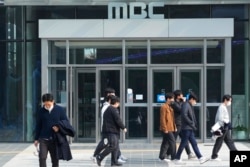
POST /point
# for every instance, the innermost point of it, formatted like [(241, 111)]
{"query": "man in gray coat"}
[(188, 126)]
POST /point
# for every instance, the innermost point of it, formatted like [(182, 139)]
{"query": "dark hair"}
[(192, 95), (114, 99), (169, 95), (226, 97), (109, 97), (109, 90), (177, 93), (47, 97)]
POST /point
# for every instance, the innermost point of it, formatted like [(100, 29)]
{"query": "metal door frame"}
[(176, 85)]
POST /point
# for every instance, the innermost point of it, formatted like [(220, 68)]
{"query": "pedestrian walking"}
[(167, 128), (222, 119), (50, 118), (112, 124), (178, 101), (109, 92), (188, 126)]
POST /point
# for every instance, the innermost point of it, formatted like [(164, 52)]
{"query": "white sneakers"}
[(164, 160), (179, 162), (203, 160), (216, 159), (122, 157), (120, 161), (191, 156)]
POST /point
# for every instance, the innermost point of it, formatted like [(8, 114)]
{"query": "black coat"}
[(112, 122), (62, 146)]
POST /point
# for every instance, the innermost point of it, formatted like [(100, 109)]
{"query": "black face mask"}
[(181, 100)]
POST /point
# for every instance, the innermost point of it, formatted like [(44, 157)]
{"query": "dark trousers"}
[(102, 145), (168, 143), (188, 135), (176, 134), (46, 146), (113, 142), (226, 137)]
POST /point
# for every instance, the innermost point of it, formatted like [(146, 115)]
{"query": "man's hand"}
[(55, 128), (125, 130), (36, 143)]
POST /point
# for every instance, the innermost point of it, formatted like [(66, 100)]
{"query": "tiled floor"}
[(140, 155)]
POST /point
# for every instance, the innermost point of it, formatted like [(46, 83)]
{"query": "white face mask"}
[(49, 109), (229, 103)]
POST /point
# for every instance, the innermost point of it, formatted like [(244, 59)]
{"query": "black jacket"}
[(177, 112), (62, 146), (188, 120), (112, 122)]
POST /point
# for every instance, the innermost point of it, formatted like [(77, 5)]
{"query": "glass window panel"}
[(215, 51), (58, 84), (189, 11), (197, 112), (14, 23), (240, 29), (175, 52), (229, 11), (163, 83), (190, 80), (136, 52), (12, 122), (136, 121), (31, 31), (210, 114), (57, 52), (33, 13), (136, 80), (86, 113), (156, 122), (98, 52), (238, 66), (86, 12), (3, 21), (214, 83), (33, 85)]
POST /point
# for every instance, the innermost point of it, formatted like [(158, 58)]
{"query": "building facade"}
[(142, 49)]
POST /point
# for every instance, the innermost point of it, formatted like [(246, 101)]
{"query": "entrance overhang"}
[(136, 28)]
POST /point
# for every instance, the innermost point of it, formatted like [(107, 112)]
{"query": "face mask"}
[(49, 109), (229, 103)]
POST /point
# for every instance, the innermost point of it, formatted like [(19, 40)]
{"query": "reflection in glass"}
[(99, 52), (215, 51), (136, 52), (163, 83), (136, 121), (190, 79), (175, 52), (58, 85), (12, 116), (57, 52)]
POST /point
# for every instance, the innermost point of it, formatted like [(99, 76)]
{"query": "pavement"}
[(138, 154)]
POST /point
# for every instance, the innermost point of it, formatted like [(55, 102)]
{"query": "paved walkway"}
[(140, 155)]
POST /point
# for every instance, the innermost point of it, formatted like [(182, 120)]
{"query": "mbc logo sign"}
[(115, 9)]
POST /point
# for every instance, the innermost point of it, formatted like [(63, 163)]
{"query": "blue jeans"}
[(188, 135)]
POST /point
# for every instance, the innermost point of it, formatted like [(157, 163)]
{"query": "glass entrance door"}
[(85, 102), (168, 80), (90, 85)]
